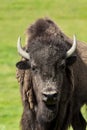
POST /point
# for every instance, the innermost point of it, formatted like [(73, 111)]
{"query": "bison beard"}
[(50, 55), (46, 114)]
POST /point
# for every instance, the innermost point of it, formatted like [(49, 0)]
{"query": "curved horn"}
[(73, 48), (21, 51)]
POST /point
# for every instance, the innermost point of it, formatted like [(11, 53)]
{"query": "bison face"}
[(47, 84), (48, 62), (48, 67)]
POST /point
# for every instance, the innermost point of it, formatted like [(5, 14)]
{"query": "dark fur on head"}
[(43, 28)]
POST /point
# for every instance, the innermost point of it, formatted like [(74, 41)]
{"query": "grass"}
[(15, 16)]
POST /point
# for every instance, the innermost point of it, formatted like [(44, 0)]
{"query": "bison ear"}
[(71, 60), (23, 65)]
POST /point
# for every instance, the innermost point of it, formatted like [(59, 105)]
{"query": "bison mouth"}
[(51, 106), (46, 112)]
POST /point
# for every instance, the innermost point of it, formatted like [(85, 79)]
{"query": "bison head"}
[(47, 55)]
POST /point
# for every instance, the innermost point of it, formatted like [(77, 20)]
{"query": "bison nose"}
[(50, 97)]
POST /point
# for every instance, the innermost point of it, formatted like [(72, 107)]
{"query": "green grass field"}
[(15, 17)]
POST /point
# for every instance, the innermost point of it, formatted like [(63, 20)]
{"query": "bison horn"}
[(73, 48), (21, 51)]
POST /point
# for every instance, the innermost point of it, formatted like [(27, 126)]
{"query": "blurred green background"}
[(15, 17)]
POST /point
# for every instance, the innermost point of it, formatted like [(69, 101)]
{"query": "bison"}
[(52, 75)]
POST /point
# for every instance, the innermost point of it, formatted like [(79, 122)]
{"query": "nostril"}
[(50, 97), (55, 95)]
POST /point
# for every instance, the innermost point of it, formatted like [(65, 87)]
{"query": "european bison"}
[(52, 75)]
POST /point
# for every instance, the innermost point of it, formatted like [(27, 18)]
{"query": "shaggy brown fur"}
[(47, 45), (24, 79)]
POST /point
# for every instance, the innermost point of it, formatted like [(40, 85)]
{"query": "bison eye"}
[(34, 68)]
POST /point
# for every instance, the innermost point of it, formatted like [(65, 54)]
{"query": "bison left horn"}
[(21, 51), (73, 48)]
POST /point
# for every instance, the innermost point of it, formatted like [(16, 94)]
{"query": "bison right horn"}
[(73, 48), (21, 51)]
